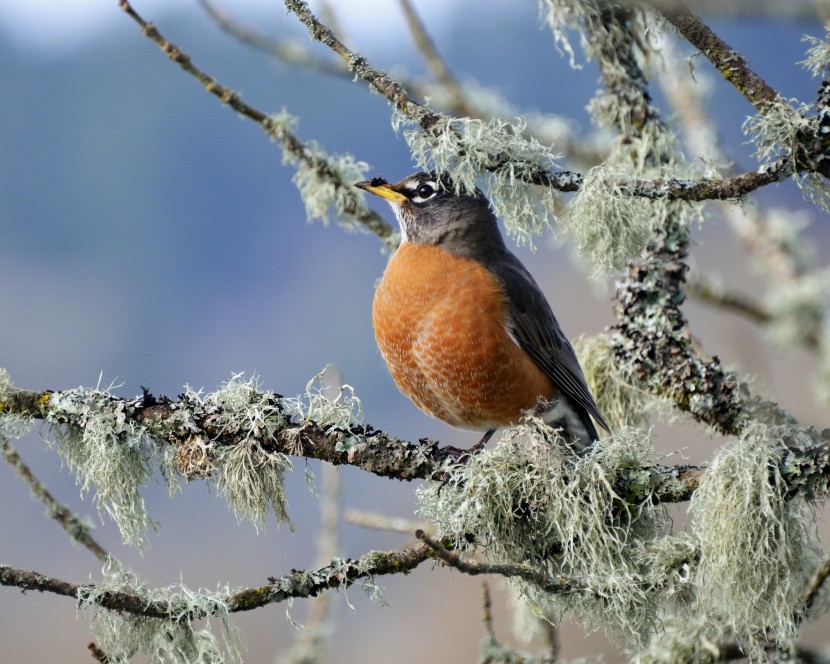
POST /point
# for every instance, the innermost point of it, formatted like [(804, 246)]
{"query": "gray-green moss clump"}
[(531, 500)]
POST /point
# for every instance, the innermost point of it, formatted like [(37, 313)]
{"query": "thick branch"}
[(806, 468), (186, 420)]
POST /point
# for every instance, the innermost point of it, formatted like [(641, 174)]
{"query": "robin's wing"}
[(533, 326)]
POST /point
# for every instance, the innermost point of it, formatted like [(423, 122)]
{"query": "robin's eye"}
[(425, 191)]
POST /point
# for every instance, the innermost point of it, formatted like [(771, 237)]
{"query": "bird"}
[(464, 328)]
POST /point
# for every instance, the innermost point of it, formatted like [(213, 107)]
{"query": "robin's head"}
[(431, 213)]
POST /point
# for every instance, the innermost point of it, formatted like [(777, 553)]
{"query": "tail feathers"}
[(577, 427)]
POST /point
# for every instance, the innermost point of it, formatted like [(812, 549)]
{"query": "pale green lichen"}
[(818, 55), (608, 226), (696, 638), (530, 500), (104, 449), (621, 403), (776, 133), (597, 36), (323, 180), (252, 477), (326, 403), (758, 545), (173, 640), (497, 154)]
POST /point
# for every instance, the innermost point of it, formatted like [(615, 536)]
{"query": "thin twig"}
[(552, 584), (372, 221), (377, 521), (436, 64), (492, 652), (308, 647), (288, 51), (710, 292), (74, 527), (815, 585)]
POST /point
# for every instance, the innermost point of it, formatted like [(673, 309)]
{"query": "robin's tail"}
[(577, 426)]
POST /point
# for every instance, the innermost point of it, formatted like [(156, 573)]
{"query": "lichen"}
[(758, 545), (620, 402), (171, 640), (252, 476), (324, 181), (103, 448), (531, 500), (818, 55), (497, 155)]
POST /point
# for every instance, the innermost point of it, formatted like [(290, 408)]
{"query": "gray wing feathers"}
[(534, 327)]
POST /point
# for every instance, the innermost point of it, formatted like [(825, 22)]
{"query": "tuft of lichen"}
[(323, 180), (758, 545), (584, 18), (497, 154), (818, 55), (609, 227), (696, 638), (252, 476), (173, 640), (777, 133), (531, 500), (103, 448), (621, 403)]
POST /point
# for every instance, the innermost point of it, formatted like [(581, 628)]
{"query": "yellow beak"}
[(383, 190)]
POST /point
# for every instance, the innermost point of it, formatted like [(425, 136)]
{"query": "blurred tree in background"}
[(589, 538)]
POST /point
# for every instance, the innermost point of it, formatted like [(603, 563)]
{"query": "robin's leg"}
[(462, 455), (480, 445)]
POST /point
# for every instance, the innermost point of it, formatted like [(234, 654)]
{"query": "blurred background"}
[(148, 237)]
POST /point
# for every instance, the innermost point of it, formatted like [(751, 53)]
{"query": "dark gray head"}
[(430, 213)]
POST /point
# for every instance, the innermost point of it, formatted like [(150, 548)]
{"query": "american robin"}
[(465, 330)]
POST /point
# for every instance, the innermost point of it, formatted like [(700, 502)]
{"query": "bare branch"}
[(731, 64), (815, 586), (382, 522), (548, 583), (309, 644), (372, 221), (74, 527), (434, 61), (711, 292), (492, 652), (288, 51)]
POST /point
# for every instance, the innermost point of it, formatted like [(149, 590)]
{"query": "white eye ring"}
[(424, 192)]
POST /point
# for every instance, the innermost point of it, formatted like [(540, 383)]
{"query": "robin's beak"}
[(383, 190)]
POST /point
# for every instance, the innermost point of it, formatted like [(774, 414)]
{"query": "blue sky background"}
[(151, 237)]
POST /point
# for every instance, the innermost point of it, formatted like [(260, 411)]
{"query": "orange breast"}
[(439, 323)]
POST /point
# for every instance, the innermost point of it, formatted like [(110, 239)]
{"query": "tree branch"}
[(371, 221), (710, 292), (731, 64), (559, 585), (297, 584), (73, 526), (806, 468)]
